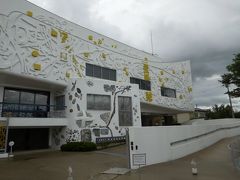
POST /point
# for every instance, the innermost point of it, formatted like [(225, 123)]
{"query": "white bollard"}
[(194, 167), (70, 173), (11, 144)]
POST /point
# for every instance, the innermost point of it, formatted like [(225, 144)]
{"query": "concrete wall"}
[(161, 144)]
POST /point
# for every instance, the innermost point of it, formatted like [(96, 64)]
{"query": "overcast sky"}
[(207, 32)]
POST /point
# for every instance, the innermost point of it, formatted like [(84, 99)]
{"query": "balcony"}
[(31, 110), (28, 115)]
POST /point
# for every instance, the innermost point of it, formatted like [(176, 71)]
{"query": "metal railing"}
[(32, 110), (235, 153)]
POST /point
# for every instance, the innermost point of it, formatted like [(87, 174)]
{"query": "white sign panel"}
[(139, 159)]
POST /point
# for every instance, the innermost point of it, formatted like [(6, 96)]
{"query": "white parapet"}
[(151, 145), (3, 155)]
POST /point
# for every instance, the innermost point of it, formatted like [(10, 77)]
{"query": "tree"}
[(226, 81), (219, 112), (234, 70), (232, 77)]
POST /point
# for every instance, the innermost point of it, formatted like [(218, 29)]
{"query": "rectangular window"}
[(89, 70), (25, 103), (97, 72), (98, 102), (60, 102), (168, 92), (143, 84), (100, 72), (125, 111)]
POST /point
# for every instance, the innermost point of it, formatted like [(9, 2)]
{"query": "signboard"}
[(2, 135), (139, 159)]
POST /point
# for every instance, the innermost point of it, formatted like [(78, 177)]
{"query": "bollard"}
[(70, 173), (11, 144), (194, 167)]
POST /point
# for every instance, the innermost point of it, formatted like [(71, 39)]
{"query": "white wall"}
[(167, 143), (24, 50)]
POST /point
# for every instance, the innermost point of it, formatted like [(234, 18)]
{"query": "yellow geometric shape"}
[(90, 37), (189, 89), (86, 54), (74, 60), (149, 96), (64, 36), (35, 53), (54, 33), (68, 74), (29, 13), (103, 55), (125, 70), (66, 47), (99, 41), (37, 67), (146, 70)]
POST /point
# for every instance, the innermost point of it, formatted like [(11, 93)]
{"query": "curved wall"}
[(37, 43)]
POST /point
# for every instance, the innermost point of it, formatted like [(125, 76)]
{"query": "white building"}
[(61, 82)]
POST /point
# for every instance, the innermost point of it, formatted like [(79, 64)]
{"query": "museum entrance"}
[(29, 138)]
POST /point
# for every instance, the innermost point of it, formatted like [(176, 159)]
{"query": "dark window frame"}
[(143, 84), (124, 110), (112, 73), (26, 110), (167, 89), (95, 106)]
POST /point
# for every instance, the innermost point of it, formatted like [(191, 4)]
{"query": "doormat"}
[(119, 171)]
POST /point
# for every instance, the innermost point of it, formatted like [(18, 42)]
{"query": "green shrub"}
[(79, 146)]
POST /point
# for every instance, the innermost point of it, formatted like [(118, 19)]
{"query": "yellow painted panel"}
[(90, 37), (68, 74), (64, 36), (149, 96), (54, 33), (29, 13), (35, 53), (86, 54), (125, 70), (37, 66)]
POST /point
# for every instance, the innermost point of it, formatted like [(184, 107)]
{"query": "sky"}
[(206, 32)]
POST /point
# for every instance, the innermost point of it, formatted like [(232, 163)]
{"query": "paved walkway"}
[(214, 164)]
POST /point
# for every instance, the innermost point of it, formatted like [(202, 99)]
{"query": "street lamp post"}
[(8, 115)]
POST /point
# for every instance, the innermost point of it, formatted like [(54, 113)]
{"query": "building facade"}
[(60, 82)]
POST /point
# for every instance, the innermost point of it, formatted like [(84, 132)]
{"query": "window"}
[(168, 92), (125, 111), (98, 102), (25, 103), (143, 84), (60, 102), (100, 72)]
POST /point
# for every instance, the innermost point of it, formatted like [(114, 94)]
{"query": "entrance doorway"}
[(29, 139)]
